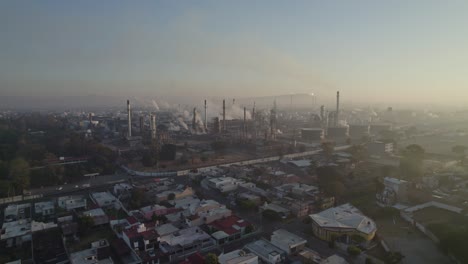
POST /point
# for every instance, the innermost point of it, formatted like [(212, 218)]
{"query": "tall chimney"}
[(129, 113), (206, 120), (153, 127), (142, 124), (245, 126), (254, 123), (322, 112), (337, 107), (224, 116), (194, 120)]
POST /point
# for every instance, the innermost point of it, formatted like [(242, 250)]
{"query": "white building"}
[(288, 241), (227, 184), (72, 202), (266, 251), (238, 257), (395, 191), (91, 256), (105, 199), (44, 208)]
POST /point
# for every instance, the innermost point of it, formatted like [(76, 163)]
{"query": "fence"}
[(19, 198), (241, 163)]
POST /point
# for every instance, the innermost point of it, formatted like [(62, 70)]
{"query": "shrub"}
[(353, 250)]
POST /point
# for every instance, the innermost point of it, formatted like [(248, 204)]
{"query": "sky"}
[(396, 51)]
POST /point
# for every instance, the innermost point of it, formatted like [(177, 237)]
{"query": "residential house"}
[(98, 215), (72, 202), (44, 209), (185, 242), (238, 257), (287, 241), (228, 229), (105, 200), (266, 251), (99, 253), (140, 238)]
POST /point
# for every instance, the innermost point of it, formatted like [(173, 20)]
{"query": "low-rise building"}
[(266, 251), (48, 247), (44, 208), (166, 229), (287, 241), (140, 238), (334, 259), (185, 242), (105, 200), (227, 184), (280, 210), (238, 257), (72, 202), (15, 212), (98, 215), (342, 222), (229, 229), (99, 253), (15, 233), (379, 148), (395, 190)]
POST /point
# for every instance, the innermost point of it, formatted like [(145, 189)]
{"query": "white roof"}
[(237, 256), (287, 237), (394, 180), (345, 216), (166, 229), (301, 163), (334, 259), (219, 235)]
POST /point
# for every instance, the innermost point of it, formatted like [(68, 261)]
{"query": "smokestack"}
[(206, 120), (224, 115), (142, 124), (254, 122), (90, 117), (337, 107), (322, 112), (245, 127), (129, 113), (194, 120), (153, 127)]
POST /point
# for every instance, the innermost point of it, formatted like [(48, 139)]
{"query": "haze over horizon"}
[(398, 51)]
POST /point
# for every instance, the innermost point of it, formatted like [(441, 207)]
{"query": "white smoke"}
[(233, 111), (155, 105), (182, 123)]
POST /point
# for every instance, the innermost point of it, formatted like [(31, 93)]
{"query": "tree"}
[(353, 250), (19, 173), (85, 223), (248, 229), (219, 146), (270, 215), (137, 198), (411, 163), (171, 196), (149, 159), (211, 258)]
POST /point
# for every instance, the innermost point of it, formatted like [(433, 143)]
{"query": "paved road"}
[(98, 181)]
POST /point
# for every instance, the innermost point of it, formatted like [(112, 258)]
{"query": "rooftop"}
[(345, 216), (264, 248), (230, 225), (287, 237), (236, 256), (166, 229), (185, 236)]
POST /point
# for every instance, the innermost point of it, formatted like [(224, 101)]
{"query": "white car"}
[(59, 188)]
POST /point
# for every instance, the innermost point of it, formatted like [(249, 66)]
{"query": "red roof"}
[(196, 258), (132, 220), (227, 224), (149, 234)]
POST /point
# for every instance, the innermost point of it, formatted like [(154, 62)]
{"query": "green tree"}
[(211, 258), (270, 215), (248, 229), (171, 196), (353, 250), (85, 223), (19, 173)]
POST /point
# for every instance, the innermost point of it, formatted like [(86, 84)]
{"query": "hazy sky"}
[(370, 50)]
